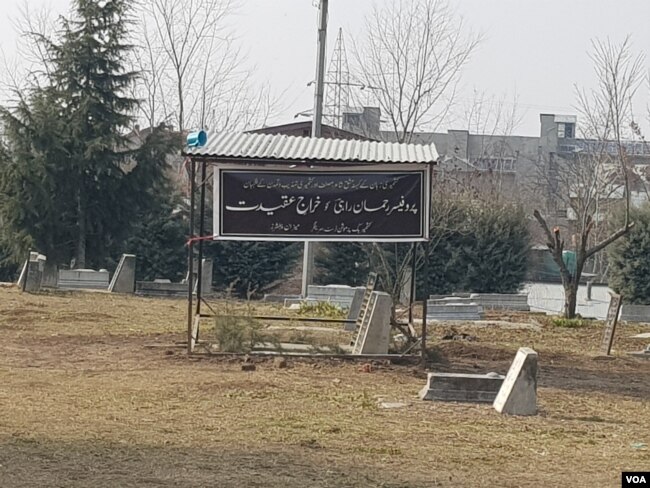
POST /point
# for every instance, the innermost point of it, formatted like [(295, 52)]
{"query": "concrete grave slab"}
[(635, 313), (451, 311), (518, 393), (79, 279), (340, 295), (459, 387), (160, 289)]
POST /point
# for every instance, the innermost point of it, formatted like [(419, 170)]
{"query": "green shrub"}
[(569, 323), (240, 334), (322, 309)]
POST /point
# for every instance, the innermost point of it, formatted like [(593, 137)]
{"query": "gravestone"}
[(355, 308), (373, 335), (518, 393), (610, 324), (458, 387), (206, 276), (50, 277), (33, 272), (124, 278)]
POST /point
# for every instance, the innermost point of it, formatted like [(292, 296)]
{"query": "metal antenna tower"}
[(338, 85)]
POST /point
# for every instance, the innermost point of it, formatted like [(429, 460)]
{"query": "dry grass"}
[(83, 403)]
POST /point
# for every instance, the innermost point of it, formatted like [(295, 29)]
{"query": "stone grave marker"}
[(33, 272), (206, 276), (518, 393), (124, 278), (373, 335)]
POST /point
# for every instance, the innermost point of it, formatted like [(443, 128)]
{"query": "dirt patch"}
[(106, 398)]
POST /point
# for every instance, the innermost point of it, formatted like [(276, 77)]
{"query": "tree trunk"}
[(181, 107), (570, 299)]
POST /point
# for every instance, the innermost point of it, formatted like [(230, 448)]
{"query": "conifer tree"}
[(71, 180), (629, 260)]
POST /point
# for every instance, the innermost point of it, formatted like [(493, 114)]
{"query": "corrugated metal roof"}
[(239, 145)]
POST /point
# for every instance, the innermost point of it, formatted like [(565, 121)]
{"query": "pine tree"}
[(494, 250), (342, 263), (629, 260), (158, 240), (73, 184)]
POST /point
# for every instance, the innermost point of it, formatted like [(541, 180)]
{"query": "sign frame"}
[(287, 168)]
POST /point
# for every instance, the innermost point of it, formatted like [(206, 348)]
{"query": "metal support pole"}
[(320, 70), (412, 291), (319, 92), (424, 304), (199, 271), (190, 260)]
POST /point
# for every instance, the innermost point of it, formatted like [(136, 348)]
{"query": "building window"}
[(565, 130)]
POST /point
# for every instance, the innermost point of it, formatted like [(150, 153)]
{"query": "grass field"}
[(87, 401)]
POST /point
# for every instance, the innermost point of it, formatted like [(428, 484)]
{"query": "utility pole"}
[(308, 254)]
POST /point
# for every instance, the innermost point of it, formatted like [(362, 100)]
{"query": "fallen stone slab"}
[(459, 387), (518, 393)]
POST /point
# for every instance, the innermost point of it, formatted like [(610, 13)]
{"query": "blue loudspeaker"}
[(197, 139)]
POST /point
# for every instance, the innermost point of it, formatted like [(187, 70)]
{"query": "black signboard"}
[(388, 205)]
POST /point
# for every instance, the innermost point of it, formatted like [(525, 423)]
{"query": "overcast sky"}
[(534, 48)]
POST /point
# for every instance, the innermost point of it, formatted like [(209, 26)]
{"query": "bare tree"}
[(30, 66), (411, 59), (488, 165), (190, 33), (151, 62), (599, 170), (192, 67)]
